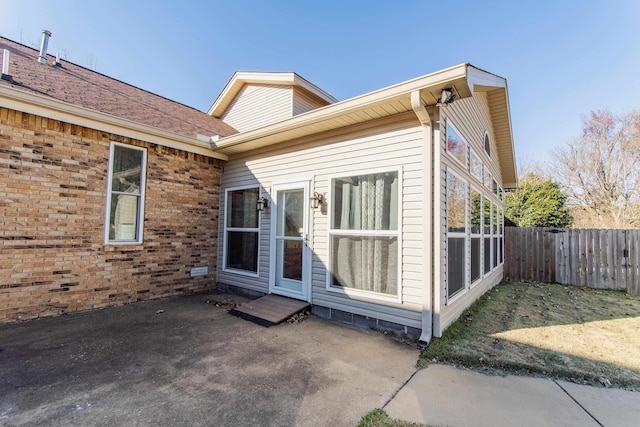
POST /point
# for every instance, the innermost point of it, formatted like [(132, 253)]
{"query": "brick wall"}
[(53, 259)]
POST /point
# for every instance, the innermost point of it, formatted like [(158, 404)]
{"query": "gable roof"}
[(465, 79), (242, 78), (82, 87)]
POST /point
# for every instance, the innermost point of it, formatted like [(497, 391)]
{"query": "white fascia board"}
[(350, 105), (16, 99), (482, 81), (480, 78), (310, 87)]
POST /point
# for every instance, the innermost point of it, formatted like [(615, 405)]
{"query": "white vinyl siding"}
[(304, 101), (259, 105), (471, 119), (384, 145)]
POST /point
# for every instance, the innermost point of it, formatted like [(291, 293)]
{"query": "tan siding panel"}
[(304, 102), (384, 147), (259, 105)]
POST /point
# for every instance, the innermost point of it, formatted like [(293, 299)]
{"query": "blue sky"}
[(561, 59)]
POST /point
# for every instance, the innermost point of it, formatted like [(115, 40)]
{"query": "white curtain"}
[(368, 262), (126, 216)]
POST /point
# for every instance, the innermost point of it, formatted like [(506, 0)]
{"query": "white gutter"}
[(427, 209), (19, 100)]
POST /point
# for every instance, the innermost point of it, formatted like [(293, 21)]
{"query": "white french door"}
[(290, 253)]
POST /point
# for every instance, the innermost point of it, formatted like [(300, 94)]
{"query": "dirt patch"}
[(583, 335)]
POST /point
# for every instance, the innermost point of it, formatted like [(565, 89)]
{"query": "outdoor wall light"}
[(446, 98), (261, 204), (317, 200)]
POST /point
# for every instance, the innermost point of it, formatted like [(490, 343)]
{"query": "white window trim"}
[(351, 292), (143, 175), (465, 165), (501, 233), (225, 229), (495, 251), (484, 147), (307, 266), (467, 240)]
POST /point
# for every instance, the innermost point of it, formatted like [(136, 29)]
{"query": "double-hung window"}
[(365, 234), (241, 233), (125, 194)]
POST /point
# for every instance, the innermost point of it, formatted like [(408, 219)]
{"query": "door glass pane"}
[(292, 201), (292, 260)]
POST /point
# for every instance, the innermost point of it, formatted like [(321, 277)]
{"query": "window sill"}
[(123, 247), (241, 272)]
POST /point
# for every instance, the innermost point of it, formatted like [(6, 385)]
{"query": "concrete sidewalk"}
[(442, 395)]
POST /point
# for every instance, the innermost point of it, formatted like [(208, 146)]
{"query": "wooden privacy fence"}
[(602, 259)]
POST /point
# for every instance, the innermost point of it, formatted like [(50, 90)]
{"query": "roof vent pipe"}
[(5, 65), (58, 64), (43, 46), (5, 61)]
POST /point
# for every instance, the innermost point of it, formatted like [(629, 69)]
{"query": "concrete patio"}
[(183, 361)]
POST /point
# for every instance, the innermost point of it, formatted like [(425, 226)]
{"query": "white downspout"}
[(437, 224), (427, 229)]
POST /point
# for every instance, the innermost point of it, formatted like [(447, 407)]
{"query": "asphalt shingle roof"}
[(89, 89)]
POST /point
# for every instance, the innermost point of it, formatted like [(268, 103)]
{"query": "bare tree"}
[(600, 171), (92, 62)]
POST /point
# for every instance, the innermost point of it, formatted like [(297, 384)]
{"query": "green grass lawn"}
[(582, 335), (379, 418)]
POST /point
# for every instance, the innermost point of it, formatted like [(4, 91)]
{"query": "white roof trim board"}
[(464, 79)]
